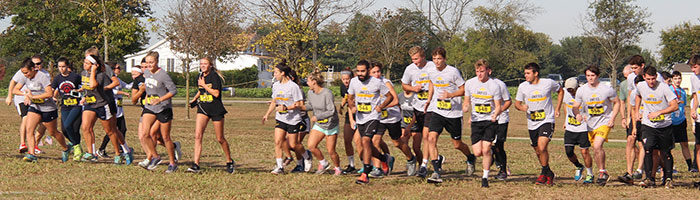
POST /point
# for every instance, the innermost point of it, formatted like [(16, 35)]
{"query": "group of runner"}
[(434, 98)]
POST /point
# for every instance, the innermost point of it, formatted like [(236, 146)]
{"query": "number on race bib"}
[(537, 115), (482, 108), (595, 110), (206, 98), (408, 120), (444, 104), (150, 99), (384, 114), (90, 99), (422, 95), (119, 102), (37, 101), (324, 121), (364, 107), (572, 121), (657, 118), (70, 102)]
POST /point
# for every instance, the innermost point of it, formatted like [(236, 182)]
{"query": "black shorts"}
[(305, 125), (215, 118), (368, 129), (393, 128), (545, 130), (576, 138), (657, 138), (421, 120), (452, 125), (639, 127), (45, 116), (483, 131), (501, 132), (680, 132), (697, 129), (22, 109), (103, 113), (290, 129), (164, 116), (347, 117)]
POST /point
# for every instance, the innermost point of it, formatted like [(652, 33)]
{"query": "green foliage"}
[(680, 43)]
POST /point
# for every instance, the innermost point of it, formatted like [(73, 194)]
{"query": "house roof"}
[(681, 67)]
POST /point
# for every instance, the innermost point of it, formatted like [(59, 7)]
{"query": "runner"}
[(66, 85), (678, 122), (159, 91), (209, 106), (498, 149), (536, 93), (21, 107), (121, 122), (348, 131), (576, 134), (42, 108), (483, 100), (364, 94), (390, 121), (597, 101), (694, 63), (631, 150), (658, 101), (408, 118), (325, 118)]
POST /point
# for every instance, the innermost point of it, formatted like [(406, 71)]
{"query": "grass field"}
[(252, 148)]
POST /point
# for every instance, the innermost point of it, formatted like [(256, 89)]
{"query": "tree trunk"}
[(187, 86), (105, 46)]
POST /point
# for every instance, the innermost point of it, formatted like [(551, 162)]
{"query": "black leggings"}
[(121, 126), (70, 124), (498, 149)]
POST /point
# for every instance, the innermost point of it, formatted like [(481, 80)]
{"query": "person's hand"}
[(127, 94), (556, 113), (579, 117), (694, 115), (494, 117), (624, 123), (525, 107), (417, 88), (201, 82), (444, 95), (8, 100), (82, 101), (611, 124), (27, 101), (353, 124), (653, 115), (93, 68), (155, 101), (425, 108), (634, 132), (264, 119), (469, 120), (378, 109)]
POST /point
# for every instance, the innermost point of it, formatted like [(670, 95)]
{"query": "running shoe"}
[(502, 175), (277, 171), (178, 150), (102, 154), (363, 179), (88, 157), (23, 148), (37, 150), (29, 158), (297, 169), (637, 175), (48, 140), (231, 167), (376, 173), (541, 180), (668, 183), (441, 159), (322, 169), (307, 161), (470, 168), (77, 152), (411, 167), (194, 168), (385, 167), (349, 170), (64, 155), (693, 170), (484, 182), (390, 164), (435, 178), (647, 183), (154, 163), (144, 163), (171, 169), (550, 180), (287, 161), (422, 172), (337, 171), (603, 178), (129, 157), (588, 179), (626, 178), (361, 170), (578, 173), (117, 160)]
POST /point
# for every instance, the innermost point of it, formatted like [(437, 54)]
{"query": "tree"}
[(679, 43), (205, 28), (615, 24), (450, 15)]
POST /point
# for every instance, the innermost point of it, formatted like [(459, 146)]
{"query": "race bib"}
[(70, 102), (537, 115), (572, 121), (324, 121), (37, 101), (698, 110), (482, 108), (364, 107), (657, 118), (385, 114), (90, 99), (595, 110), (444, 104), (150, 99), (408, 120), (143, 102), (422, 95), (119, 102), (206, 98)]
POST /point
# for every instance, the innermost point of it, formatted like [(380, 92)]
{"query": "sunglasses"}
[(38, 63)]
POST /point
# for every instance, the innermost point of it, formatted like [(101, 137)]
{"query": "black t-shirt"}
[(210, 104), (343, 90), (66, 86), (97, 97), (138, 81)]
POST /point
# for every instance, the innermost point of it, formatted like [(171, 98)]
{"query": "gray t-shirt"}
[(17, 77), (695, 89), (157, 85), (655, 99), (118, 97), (392, 114), (287, 94), (323, 107), (505, 96), (483, 96), (597, 104), (406, 106), (572, 124), (413, 75), (449, 79), (631, 86), (96, 97), (538, 98), (367, 95), (37, 86)]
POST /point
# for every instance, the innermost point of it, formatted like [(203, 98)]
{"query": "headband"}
[(135, 69), (92, 60)]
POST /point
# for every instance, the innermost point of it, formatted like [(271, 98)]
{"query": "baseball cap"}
[(571, 83)]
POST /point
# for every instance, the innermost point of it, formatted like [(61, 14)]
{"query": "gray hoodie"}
[(323, 107)]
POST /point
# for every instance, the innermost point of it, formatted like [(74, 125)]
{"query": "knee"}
[(221, 140)]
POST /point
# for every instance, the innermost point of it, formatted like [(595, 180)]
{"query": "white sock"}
[(280, 161), (323, 162), (639, 170), (486, 174), (589, 171), (424, 163), (603, 170), (94, 150), (351, 161), (125, 148)]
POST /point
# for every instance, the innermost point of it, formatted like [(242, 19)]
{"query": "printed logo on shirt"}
[(151, 83), (651, 99), (537, 96), (482, 94)]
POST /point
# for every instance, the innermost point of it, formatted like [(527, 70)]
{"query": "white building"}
[(686, 73)]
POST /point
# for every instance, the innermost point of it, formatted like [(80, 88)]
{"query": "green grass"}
[(252, 148)]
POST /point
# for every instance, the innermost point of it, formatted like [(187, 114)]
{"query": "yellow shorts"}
[(601, 131)]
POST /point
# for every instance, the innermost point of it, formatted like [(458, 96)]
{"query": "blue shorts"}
[(333, 131)]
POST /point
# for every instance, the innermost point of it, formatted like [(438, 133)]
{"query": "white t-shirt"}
[(597, 104), (367, 95), (538, 98), (483, 96), (413, 75)]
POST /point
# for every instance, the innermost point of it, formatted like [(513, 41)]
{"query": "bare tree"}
[(450, 15)]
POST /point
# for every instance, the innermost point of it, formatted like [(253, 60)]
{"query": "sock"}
[(323, 162), (436, 165), (639, 171), (578, 164), (280, 161), (589, 171), (546, 170), (424, 163), (351, 161), (689, 162), (486, 174), (471, 158), (125, 148), (366, 168), (94, 151), (602, 170)]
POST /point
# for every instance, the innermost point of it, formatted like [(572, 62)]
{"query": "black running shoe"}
[(194, 168), (484, 182), (230, 167), (349, 170)]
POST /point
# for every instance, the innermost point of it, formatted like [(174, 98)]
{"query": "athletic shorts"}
[(45, 116), (576, 138), (305, 126), (103, 113), (601, 131), (21, 109), (697, 129), (639, 132), (393, 128), (164, 116), (215, 118), (452, 125), (680, 132), (483, 131), (501, 132), (545, 130), (657, 138), (328, 132), (290, 129), (368, 129), (421, 120)]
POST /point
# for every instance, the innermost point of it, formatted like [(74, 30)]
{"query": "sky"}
[(558, 19)]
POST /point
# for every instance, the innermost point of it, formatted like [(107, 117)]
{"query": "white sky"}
[(559, 18)]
